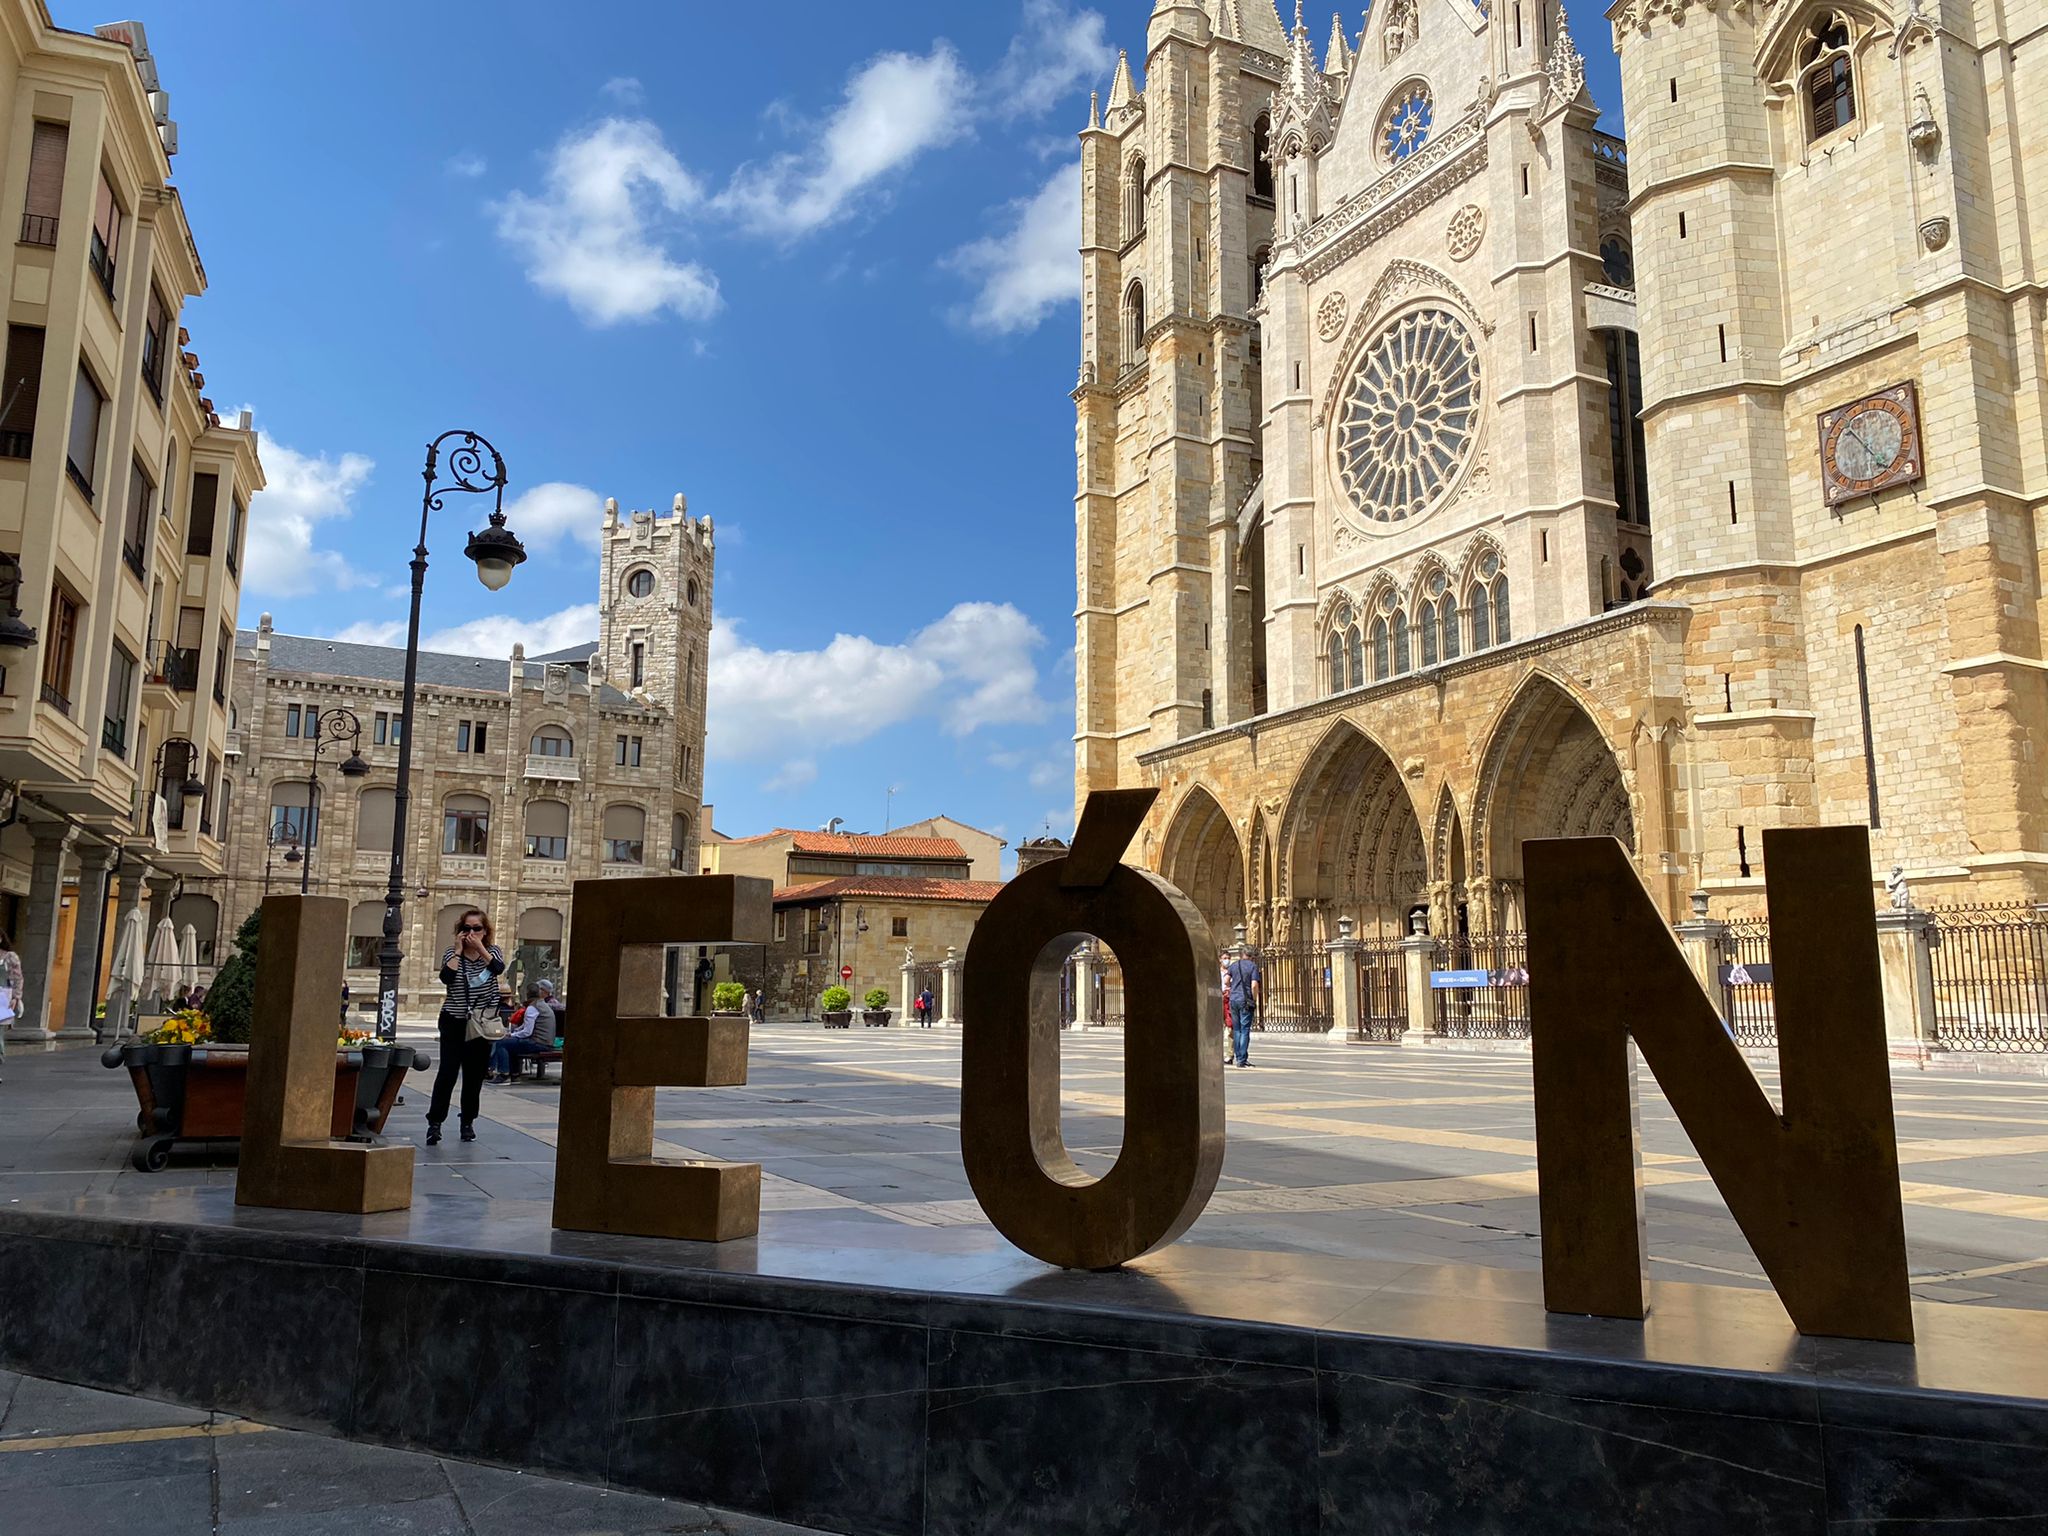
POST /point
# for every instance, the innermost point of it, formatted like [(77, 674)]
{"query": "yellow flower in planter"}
[(188, 1026), (354, 1039)]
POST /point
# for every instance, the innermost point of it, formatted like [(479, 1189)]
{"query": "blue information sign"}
[(1443, 981)]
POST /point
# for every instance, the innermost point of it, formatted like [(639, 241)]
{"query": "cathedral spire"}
[(1337, 62), (1094, 110), (1225, 23), (1121, 92)]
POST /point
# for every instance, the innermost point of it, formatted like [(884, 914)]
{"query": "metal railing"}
[(173, 666), (1106, 977), (38, 229), (1296, 981), (1494, 1003), (1990, 978), (1749, 999), (55, 698), (1382, 993), (16, 445)]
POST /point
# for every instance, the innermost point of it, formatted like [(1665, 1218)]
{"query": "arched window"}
[(1500, 610), (552, 741), (547, 830), (1134, 321), (540, 931), (1260, 257), (1827, 81), (690, 592), (203, 913), (466, 826), (1618, 262), (1425, 626), (1380, 648), (1262, 157), (1354, 657), (625, 834), (1336, 662), (1482, 618), (1447, 619), (1402, 661), (679, 839), (365, 933), (1134, 198), (295, 817), (376, 813)]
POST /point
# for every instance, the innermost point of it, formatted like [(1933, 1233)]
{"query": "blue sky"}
[(811, 265)]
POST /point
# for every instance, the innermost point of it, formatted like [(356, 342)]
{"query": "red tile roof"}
[(892, 888), (862, 845)]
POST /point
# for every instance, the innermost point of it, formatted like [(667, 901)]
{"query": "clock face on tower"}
[(1870, 445)]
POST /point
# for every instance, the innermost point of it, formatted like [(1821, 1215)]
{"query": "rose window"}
[(1406, 425), (1406, 128)]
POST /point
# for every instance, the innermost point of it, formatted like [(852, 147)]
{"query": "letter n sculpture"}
[(1814, 1187), (1021, 1172), (289, 1158), (607, 1178)]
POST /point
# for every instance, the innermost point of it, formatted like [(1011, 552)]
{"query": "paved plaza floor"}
[(1411, 1154)]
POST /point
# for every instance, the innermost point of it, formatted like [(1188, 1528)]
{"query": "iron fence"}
[(1105, 978), (1749, 1000), (1382, 993), (1295, 979), (1990, 968), (1481, 986)]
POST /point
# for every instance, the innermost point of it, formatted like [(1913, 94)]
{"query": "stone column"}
[(120, 996), (909, 984), (1417, 951), (949, 989), (161, 890), (1905, 956), (1343, 952), (83, 995), (1704, 941), (39, 928), (1084, 987)]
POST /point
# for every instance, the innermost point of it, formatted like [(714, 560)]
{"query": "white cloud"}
[(1056, 50), (1031, 267), (595, 234), (794, 774), (468, 165), (970, 669), (545, 513), (897, 106), (496, 634), (372, 632), (624, 89), (285, 517)]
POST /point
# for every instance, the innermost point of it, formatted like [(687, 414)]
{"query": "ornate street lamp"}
[(15, 636), (474, 467), (336, 726), (193, 787), (283, 835)]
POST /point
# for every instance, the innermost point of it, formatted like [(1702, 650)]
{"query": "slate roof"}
[(310, 656), (891, 888), (581, 652)]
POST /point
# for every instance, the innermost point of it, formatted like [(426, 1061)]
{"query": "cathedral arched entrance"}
[(1201, 856), (1352, 844), (1548, 772)]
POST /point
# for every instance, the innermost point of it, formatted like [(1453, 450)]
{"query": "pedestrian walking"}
[(470, 1023), (1223, 972), (1243, 987), (11, 1001), (924, 1008)]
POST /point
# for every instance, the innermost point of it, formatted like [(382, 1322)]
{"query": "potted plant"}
[(835, 1004), (729, 997), (876, 1015)]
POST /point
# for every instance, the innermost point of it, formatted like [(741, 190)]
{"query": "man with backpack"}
[(1243, 990)]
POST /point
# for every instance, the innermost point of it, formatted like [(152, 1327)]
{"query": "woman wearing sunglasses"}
[(470, 968)]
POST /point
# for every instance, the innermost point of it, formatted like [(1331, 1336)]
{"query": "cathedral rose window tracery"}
[(1406, 425), (1405, 127)]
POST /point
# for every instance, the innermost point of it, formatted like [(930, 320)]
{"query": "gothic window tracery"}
[(1827, 79), (1134, 198), (1406, 425), (1487, 601), (1404, 128), (1134, 323), (1262, 156), (1618, 262)]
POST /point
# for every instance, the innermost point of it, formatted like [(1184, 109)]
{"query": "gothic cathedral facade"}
[(1449, 475)]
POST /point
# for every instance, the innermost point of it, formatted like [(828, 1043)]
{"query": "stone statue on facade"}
[(1895, 887)]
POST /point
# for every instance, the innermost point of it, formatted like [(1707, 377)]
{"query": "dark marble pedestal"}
[(866, 1378)]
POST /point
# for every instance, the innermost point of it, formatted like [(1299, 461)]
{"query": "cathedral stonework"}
[(1702, 500)]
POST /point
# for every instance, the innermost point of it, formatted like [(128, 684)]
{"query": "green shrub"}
[(231, 1000), (835, 1000), (728, 997), (876, 998)]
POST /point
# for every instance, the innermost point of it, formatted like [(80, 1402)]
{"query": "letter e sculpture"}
[(1814, 1189), (1027, 1184), (607, 1178), (288, 1156)]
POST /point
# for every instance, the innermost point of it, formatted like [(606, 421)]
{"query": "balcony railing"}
[(54, 697), (114, 737), (541, 765), (132, 554), (102, 263), (38, 229), (16, 445), (174, 667)]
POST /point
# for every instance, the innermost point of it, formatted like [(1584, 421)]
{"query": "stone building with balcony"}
[(528, 773), (123, 519)]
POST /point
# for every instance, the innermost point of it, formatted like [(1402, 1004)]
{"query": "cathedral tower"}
[(654, 620)]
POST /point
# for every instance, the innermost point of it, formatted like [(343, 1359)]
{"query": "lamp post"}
[(15, 636), (282, 834), (475, 467), (336, 726), (193, 787)]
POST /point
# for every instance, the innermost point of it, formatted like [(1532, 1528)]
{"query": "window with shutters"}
[(466, 826), (376, 814), (625, 834), (293, 815), (45, 184), (19, 390), (205, 492), (106, 234), (1828, 79), (81, 458), (155, 335), (135, 521), (365, 935), (547, 830), (678, 841), (237, 514)]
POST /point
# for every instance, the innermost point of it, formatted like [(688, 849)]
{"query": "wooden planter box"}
[(838, 1019), (875, 1018), (197, 1092)]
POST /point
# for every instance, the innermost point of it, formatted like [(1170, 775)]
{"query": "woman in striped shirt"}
[(470, 968)]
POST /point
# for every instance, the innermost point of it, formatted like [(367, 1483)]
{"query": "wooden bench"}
[(540, 1059)]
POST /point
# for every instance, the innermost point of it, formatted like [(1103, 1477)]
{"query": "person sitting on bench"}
[(532, 1032)]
